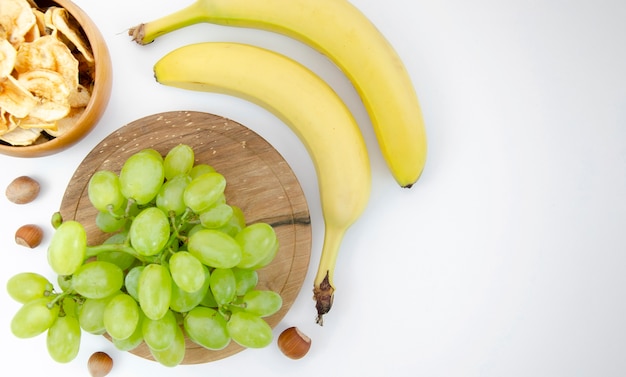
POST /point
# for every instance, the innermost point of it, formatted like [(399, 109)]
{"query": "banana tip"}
[(323, 296)]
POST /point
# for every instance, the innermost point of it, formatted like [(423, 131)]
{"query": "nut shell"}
[(293, 343), (99, 364), (29, 235), (22, 190)]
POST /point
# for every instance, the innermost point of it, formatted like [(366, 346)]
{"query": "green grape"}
[(149, 232), (223, 285), (70, 307), (68, 248), (98, 279), (246, 280), (259, 245), (63, 339), (141, 176), (120, 258), (104, 191), (179, 160), (249, 330), (159, 333), (174, 354), (204, 190), (56, 219), (214, 248), (34, 318), (109, 223), (121, 316), (134, 340), (155, 291), (170, 196), (200, 169), (183, 301), (64, 282), (208, 300), (262, 302), (131, 281), (216, 216), (27, 286), (207, 327), (91, 314), (235, 224), (187, 271)]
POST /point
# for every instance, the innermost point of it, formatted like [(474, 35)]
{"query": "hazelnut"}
[(29, 235), (22, 190), (99, 364), (293, 343)]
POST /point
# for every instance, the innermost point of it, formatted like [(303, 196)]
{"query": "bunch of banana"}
[(288, 89), (310, 107), (341, 32)]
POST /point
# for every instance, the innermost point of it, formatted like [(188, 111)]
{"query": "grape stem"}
[(93, 251)]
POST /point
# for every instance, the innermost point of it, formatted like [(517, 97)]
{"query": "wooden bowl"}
[(99, 96), (259, 181)]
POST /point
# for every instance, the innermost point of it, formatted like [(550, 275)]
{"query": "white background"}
[(507, 258)]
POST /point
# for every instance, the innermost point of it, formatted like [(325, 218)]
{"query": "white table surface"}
[(507, 258)]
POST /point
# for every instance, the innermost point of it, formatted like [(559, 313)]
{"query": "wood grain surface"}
[(259, 181)]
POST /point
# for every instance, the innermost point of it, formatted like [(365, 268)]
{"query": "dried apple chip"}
[(16, 19), (7, 58), (32, 122), (21, 136), (61, 21), (48, 52), (66, 123), (14, 99)]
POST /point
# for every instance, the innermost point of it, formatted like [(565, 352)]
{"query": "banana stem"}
[(147, 32), (323, 289)]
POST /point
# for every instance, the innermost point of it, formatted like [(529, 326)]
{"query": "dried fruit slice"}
[(21, 136), (7, 58), (61, 21), (15, 99), (49, 53), (66, 123), (16, 19), (52, 92)]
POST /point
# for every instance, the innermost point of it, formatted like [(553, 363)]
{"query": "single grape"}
[(104, 191), (183, 301), (63, 339), (200, 169), (121, 316), (170, 196), (214, 248), (131, 281), (223, 285), (259, 245), (34, 318), (207, 327), (249, 330), (179, 160), (159, 333), (208, 300), (149, 231), (155, 291), (98, 279), (204, 190), (91, 314), (236, 222), (134, 340), (246, 280), (141, 176), (187, 271), (262, 302), (120, 258), (216, 216), (27, 286), (174, 354), (68, 248), (109, 223)]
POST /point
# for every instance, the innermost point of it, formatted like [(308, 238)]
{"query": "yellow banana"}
[(343, 33), (310, 108)]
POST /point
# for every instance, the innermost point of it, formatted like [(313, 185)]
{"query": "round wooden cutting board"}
[(259, 181)]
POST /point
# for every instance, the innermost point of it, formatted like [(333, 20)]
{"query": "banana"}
[(310, 108), (340, 31)]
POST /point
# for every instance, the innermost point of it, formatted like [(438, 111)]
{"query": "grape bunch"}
[(178, 261)]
